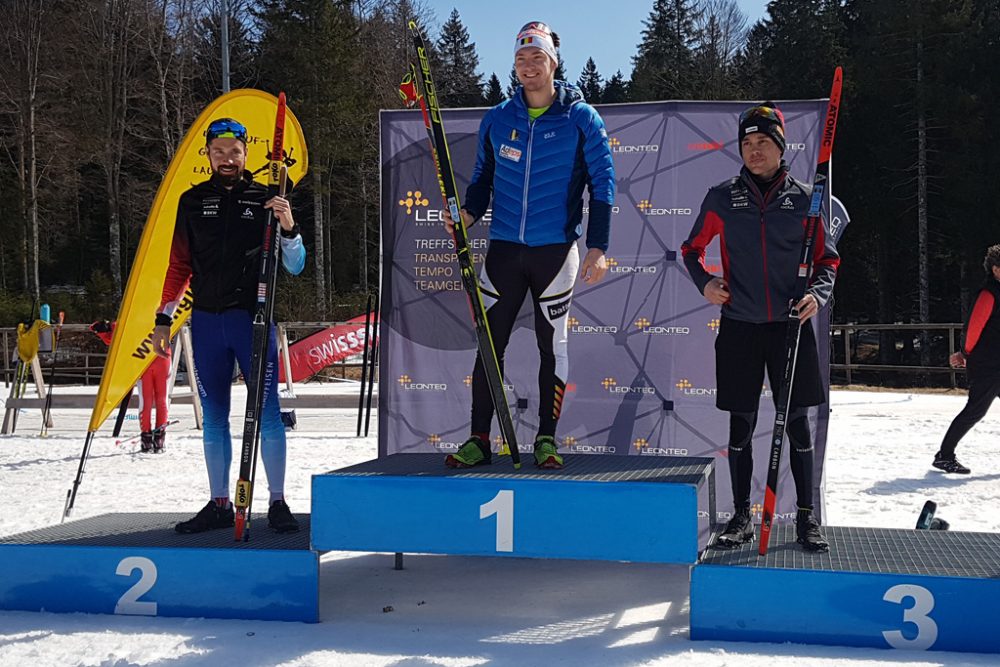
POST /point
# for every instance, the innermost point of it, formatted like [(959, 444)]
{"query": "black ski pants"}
[(510, 272), (982, 391)]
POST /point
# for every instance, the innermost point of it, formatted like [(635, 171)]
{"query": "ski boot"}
[(809, 535), (473, 452), (159, 439), (280, 518), (738, 531), (146, 441), (545, 453), (949, 464), (211, 517)]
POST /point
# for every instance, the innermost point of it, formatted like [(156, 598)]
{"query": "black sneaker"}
[(280, 518), (159, 440), (210, 517), (949, 465), (146, 441), (809, 535), (738, 531)]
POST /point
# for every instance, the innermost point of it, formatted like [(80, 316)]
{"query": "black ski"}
[(264, 314), (47, 410), (794, 327), (418, 87)]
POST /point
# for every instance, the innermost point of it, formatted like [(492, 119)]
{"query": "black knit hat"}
[(766, 118)]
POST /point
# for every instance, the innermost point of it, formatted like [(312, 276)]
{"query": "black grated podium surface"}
[(578, 467), (157, 530), (874, 550)]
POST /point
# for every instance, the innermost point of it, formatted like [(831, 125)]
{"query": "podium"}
[(629, 508), (903, 589), (136, 564)]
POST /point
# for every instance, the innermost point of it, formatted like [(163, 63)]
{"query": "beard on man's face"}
[(228, 175)]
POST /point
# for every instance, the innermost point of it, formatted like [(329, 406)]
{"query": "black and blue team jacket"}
[(535, 173)]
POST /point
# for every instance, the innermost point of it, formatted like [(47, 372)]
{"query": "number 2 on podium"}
[(502, 505)]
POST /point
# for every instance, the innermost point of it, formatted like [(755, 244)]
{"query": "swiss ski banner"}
[(312, 354)]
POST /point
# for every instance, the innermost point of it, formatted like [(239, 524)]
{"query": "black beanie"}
[(766, 118)]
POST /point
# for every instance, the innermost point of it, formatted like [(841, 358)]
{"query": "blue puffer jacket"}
[(535, 172)]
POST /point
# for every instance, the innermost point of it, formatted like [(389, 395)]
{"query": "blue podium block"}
[(136, 564), (628, 508), (904, 589)]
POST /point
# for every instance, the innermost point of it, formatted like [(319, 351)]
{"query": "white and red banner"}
[(314, 353)]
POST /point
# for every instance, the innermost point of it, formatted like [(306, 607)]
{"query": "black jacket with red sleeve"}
[(760, 235)]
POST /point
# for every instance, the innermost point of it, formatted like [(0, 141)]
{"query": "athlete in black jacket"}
[(760, 219)]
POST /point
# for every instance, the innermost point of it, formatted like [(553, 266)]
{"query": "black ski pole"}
[(122, 410), (52, 376), (364, 362), (376, 323), (71, 494)]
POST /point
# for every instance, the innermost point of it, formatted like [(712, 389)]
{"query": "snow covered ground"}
[(457, 611)]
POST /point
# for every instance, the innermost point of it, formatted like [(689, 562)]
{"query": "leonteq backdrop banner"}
[(642, 365)]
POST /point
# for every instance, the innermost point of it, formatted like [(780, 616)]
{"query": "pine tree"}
[(494, 91), (664, 64), (615, 90), (753, 80), (591, 82), (458, 82), (512, 83)]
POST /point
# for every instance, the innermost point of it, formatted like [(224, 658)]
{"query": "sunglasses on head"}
[(226, 128), (769, 113), (535, 25)]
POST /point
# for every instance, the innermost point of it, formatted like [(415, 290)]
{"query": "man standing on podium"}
[(760, 218), (537, 152)]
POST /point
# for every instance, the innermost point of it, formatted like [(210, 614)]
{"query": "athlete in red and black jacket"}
[(980, 353), (760, 219)]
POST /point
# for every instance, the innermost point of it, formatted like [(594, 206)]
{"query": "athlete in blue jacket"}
[(537, 152)]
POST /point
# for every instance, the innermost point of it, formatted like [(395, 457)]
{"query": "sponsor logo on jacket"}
[(510, 153)]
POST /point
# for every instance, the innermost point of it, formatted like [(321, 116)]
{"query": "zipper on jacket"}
[(527, 179), (763, 197)]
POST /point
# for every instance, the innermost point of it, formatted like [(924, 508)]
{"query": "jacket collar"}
[(567, 95)]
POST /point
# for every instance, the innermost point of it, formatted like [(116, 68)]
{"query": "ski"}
[(47, 410), (418, 88), (130, 441), (263, 315), (794, 327)]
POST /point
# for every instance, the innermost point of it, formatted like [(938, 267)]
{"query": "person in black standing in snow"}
[(980, 354), (760, 217)]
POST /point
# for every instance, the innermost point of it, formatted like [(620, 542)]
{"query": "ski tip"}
[(281, 98)]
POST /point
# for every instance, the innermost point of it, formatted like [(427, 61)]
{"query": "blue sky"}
[(606, 31)]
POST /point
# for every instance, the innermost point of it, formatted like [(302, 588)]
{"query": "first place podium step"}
[(627, 508), (135, 564)]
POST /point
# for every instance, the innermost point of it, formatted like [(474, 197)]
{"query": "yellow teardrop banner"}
[(131, 349)]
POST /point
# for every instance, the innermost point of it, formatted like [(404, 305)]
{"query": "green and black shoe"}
[(546, 455), (473, 452)]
